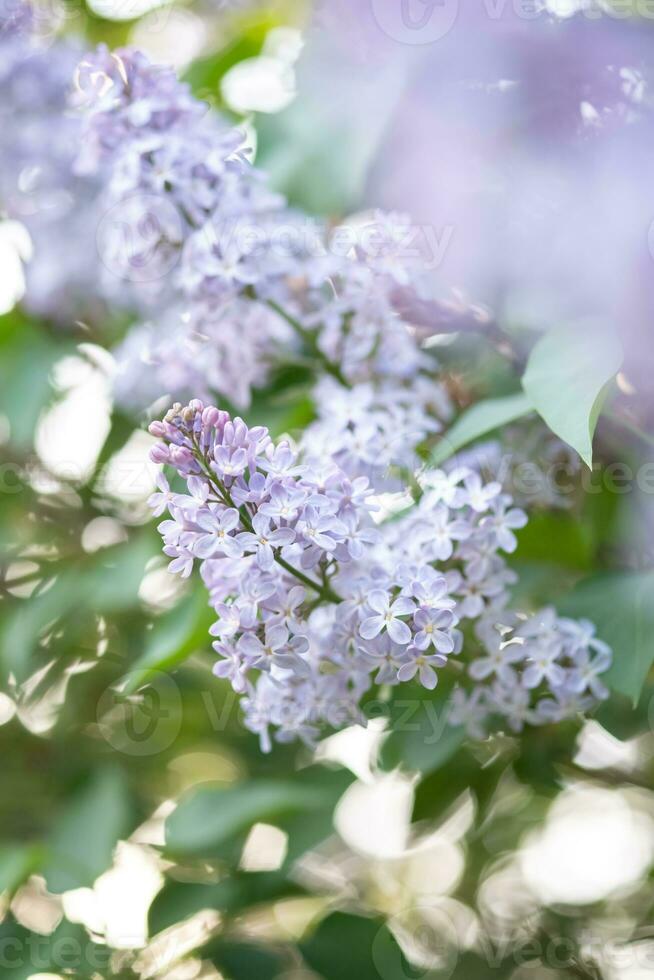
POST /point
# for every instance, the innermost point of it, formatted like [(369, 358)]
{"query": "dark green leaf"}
[(27, 357), (355, 948), (86, 832), (462, 773), (209, 816), (557, 538), (68, 950), (421, 737), (621, 604), (179, 900), (624, 721), (247, 961)]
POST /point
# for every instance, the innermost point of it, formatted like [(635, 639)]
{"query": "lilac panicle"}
[(316, 603)]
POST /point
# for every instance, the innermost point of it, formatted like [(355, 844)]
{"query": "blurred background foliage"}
[(142, 832)]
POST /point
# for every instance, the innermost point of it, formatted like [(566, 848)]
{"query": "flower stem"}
[(309, 340), (325, 592)]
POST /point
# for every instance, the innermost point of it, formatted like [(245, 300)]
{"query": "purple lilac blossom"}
[(194, 228), (543, 668), (307, 624), (228, 350), (192, 224)]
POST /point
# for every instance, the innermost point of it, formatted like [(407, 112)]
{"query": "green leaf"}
[(85, 834), (479, 420), (205, 74), (122, 428), (619, 716), (26, 622), (557, 538), (351, 947), (68, 950), (209, 816), (462, 773), (174, 637), (566, 380), (114, 580), (421, 737), (245, 961), (621, 604), (178, 900), (27, 358), (105, 583), (17, 862)]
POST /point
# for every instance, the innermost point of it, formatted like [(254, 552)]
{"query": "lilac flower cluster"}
[(317, 598), (270, 533), (342, 293), (388, 400), (464, 525), (279, 509), (375, 430), (153, 141), (193, 226), (170, 165), (230, 281), (316, 602), (228, 349), (540, 669), (179, 199)]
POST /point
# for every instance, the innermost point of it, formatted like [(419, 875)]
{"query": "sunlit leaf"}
[(16, 864), (27, 621), (566, 380), (107, 582), (247, 39), (114, 579), (173, 638), (479, 420)]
